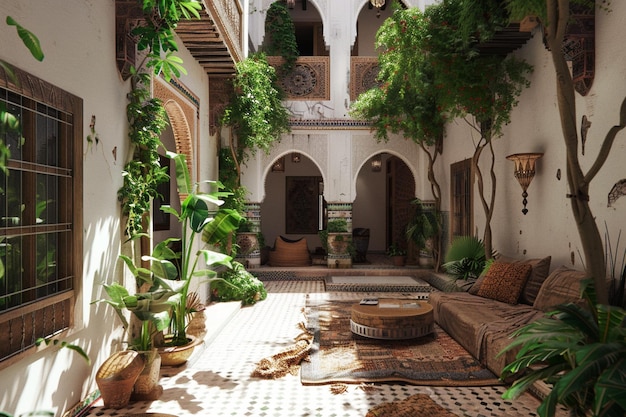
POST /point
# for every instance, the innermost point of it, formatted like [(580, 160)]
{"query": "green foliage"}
[(146, 116), (337, 226), (465, 258), (237, 284), (406, 99), (171, 273), (281, 35), (30, 40), (143, 173), (8, 121), (255, 110), (156, 33), (580, 351), (518, 9), (616, 269), (62, 344), (483, 86), (395, 250), (423, 225), (152, 308), (197, 219)]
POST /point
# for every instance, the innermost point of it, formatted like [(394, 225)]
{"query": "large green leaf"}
[(225, 222), (162, 268), (30, 40), (610, 389), (215, 259), (183, 179)]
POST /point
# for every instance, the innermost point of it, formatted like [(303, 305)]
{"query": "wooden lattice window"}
[(40, 213)]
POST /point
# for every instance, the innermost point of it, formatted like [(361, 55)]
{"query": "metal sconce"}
[(524, 171), (377, 163), (279, 165), (296, 158)]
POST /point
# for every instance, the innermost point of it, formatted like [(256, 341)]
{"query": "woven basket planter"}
[(116, 378)]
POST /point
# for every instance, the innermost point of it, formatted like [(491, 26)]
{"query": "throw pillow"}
[(504, 281), (538, 274), (561, 286)]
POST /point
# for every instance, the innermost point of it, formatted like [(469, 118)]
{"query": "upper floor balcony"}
[(310, 78)]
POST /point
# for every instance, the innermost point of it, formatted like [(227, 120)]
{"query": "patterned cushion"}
[(504, 281), (561, 286), (538, 274)]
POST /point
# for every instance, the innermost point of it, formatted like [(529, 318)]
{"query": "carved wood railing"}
[(363, 73), (309, 79)]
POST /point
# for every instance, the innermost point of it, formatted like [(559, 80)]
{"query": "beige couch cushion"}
[(538, 274), (561, 286), (481, 326), (504, 281)]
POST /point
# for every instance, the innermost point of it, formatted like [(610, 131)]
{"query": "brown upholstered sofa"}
[(512, 293), (288, 252)]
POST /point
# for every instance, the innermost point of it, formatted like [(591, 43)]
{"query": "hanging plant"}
[(255, 111), (281, 35)]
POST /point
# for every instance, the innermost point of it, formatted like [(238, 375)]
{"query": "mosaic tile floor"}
[(217, 381)]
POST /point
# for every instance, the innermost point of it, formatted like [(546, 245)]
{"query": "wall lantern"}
[(378, 3), (279, 165), (377, 163), (524, 171), (296, 158)]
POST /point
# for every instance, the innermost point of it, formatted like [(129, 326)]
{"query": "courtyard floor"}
[(217, 382)]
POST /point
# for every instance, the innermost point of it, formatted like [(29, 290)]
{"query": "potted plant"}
[(152, 309), (197, 219), (339, 238), (580, 351), (420, 230), (397, 254)]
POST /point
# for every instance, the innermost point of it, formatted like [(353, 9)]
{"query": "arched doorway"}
[(293, 206), (384, 189)]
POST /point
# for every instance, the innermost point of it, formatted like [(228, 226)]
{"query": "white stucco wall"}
[(78, 40), (549, 227)]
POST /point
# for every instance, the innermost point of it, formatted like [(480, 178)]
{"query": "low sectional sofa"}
[(482, 315)]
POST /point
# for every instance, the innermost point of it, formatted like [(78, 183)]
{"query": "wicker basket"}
[(116, 377)]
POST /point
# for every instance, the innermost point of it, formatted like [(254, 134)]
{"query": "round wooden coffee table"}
[(392, 319)]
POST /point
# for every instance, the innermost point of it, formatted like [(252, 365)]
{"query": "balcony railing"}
[(310, 78), (363, 73)]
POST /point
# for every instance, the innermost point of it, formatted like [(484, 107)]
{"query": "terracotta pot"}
[(398, 260), (177, 355)]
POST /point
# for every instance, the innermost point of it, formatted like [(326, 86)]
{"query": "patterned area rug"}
[(416, 405), (339, 356)]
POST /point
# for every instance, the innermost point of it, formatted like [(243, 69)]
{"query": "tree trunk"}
[(578, 183), (488, 206), (436, 191)]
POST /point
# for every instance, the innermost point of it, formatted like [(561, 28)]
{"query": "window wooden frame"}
[(461, 199), (50, 118)]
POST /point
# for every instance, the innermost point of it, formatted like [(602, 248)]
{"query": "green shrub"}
[(237, 284)]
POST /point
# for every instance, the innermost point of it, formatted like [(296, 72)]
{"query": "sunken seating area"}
[(287, 252)]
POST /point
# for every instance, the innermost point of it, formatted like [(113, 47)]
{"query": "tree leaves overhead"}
[(430, 72)]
